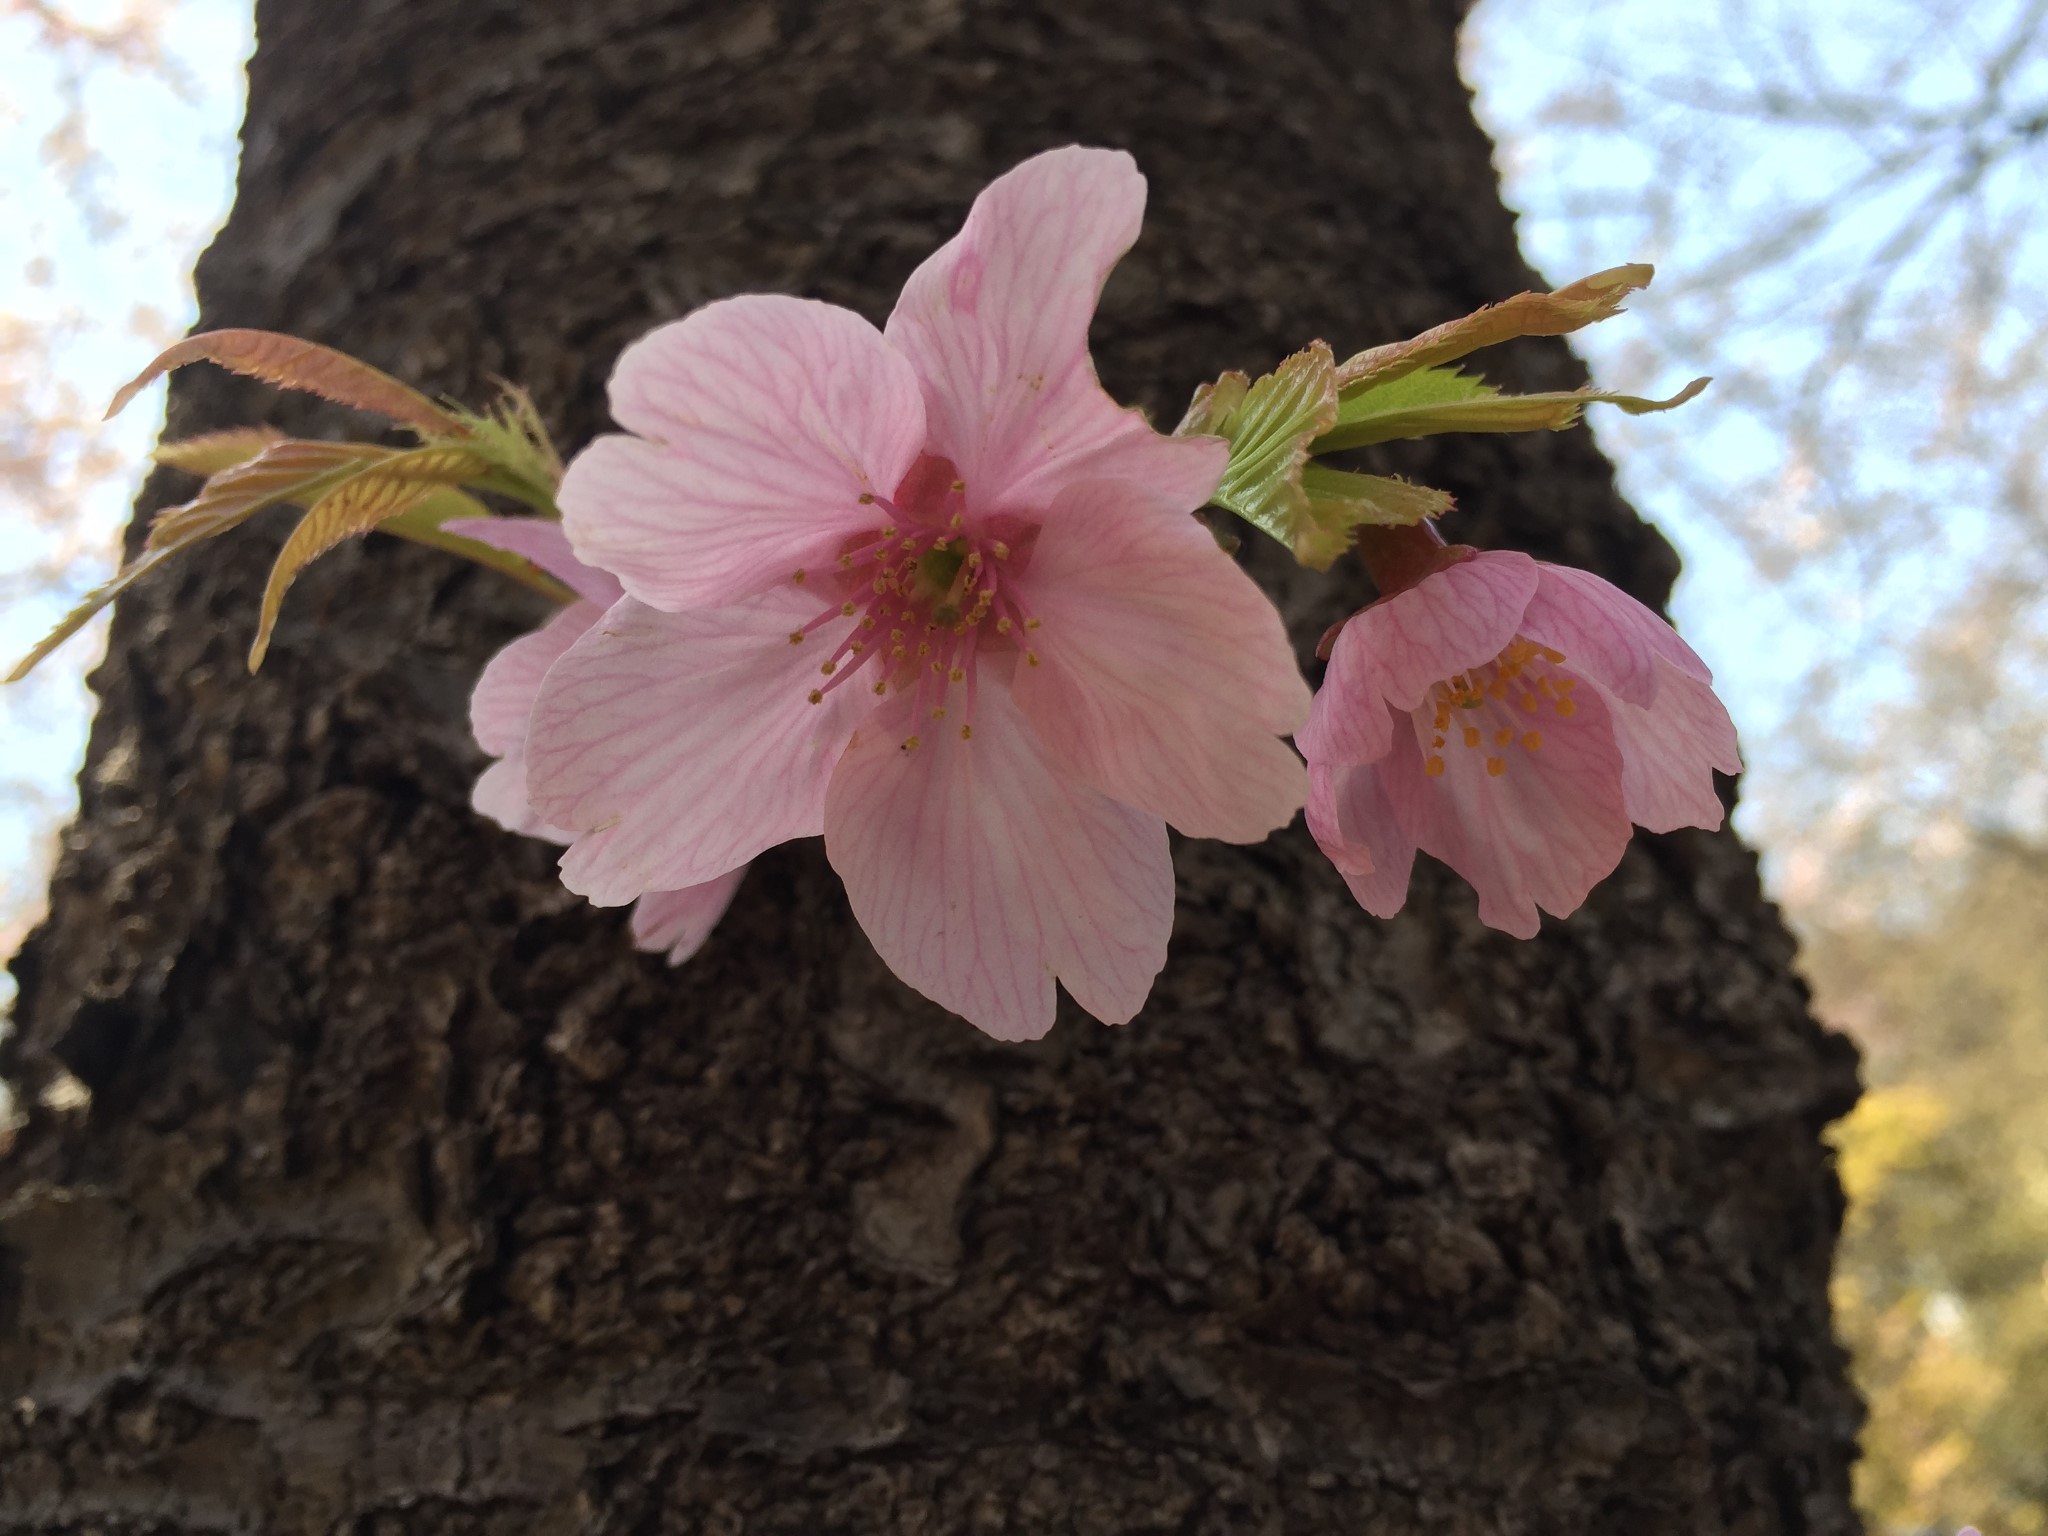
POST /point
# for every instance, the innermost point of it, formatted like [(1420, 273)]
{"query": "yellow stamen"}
[(1496, 766), (1433, 766)]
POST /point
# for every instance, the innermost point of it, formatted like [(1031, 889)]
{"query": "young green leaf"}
[(1270, 425), (355, 506), (1585, 302), (301, 365), (1340, 502), (212, 452), (288, 470), (1441, 400)]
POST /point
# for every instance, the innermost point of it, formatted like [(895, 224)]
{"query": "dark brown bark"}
[(409, 1198)]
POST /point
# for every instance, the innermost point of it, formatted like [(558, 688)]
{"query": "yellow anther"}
[(1031, 658), (796, 637), (910, 744), (957, 675), (881, 688), (938, 668), (868, 622), (1567, 684), (967, 733), (938, 711), (817, 695), (1553, 657), (1504, 735), (1433, 766), (857, 646), (1565, 708), (1436, 741), (846, 610), (1031, 623), (959, 485), (1000, 550), (1003, 625), (1529, 702), (1496, 766), (888, 532), (1471, 735), (846, 562), (798, 578), (1533, 741), (867, 498), (829, 668)]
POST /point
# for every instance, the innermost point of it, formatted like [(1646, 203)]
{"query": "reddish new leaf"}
[(303, 365)]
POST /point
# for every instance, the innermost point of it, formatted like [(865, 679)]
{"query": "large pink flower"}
[(1511, 718), (501, 708), (932, 593)]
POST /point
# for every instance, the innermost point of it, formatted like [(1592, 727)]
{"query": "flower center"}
[(924, 596), (1499, 705)]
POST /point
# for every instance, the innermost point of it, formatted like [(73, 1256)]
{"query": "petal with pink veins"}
[(1402, 646), (1669, 752), (1543, 832), (501, 711), (981, 871), (1605, 634), (677, 923), (542, 541), (1354, 822), (761, 423), (996, 323), (678, 746), (1167, 678)]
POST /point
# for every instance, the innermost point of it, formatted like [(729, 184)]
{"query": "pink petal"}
[(996, 322), (1355, 824), (501, 710), (1605, 634), (1541, 834), (1402, 646), (981, 872), (1669, 752), (764, 419), (541, 540), (1168, 679), (679, 746), (680, 921)]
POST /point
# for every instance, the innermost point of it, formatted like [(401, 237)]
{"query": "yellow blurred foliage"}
[(1941, 1288)]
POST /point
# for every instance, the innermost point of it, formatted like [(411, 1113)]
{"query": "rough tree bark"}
[(408, 1198)]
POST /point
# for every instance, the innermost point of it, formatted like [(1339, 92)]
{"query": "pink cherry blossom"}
[(674, 922), (1511, 718), (932, 593)]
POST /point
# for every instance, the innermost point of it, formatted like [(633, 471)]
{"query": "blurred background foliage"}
[(1846, 204)]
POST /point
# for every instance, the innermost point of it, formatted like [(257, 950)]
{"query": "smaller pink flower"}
[(675, 922), (1511, 718)]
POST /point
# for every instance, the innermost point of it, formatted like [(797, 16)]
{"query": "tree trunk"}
[(409, 1198)]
